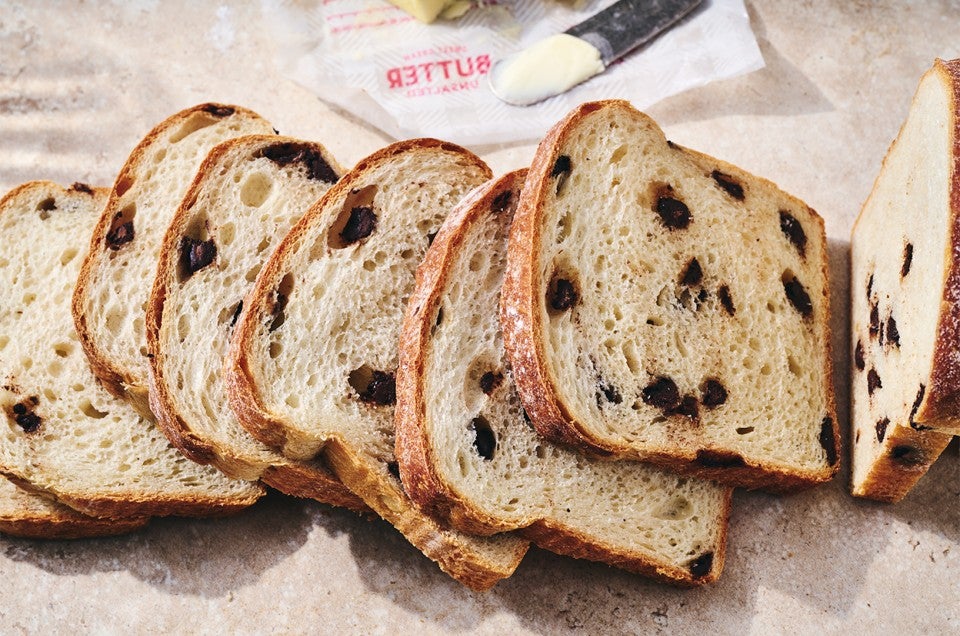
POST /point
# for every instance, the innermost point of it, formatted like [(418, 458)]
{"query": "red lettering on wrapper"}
[(429, 74)]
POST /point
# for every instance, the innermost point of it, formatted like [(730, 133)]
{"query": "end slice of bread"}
[(62, 432), (468, 455), (905, 298), (665, 306), (115, 281), (30, 515), (247, 194), (314, 356)]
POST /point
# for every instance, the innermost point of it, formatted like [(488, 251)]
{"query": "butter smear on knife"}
[(547, 68)]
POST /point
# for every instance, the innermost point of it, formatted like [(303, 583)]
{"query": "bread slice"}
[(117, 275), (63, 433), (468, 456), (905, 285), (247, 195), (32, 516), (665, 306), (314, 357)]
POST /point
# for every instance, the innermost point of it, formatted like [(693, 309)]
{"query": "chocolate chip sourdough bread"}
[(468, 456), (118, 271), (665, 306), (314, 356), (63, 433), (905, 288), (32, 516), (248, 193)]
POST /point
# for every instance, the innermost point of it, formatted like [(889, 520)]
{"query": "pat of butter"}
[(549, 67), (428, 10)]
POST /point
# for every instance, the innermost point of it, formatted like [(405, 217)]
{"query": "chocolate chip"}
[(289, 152), (195, 255), (728, 183), (693, 273), (882, 428), (869, 287), (712, 393), (916, 407), (120, 235), (489, 381), (724, 295), (484, 441), (874, 327), (827, 440), (561, 170), (907, 259), (561, 294), (608, 391), (81, 187), (702, 296), (893, 335), (661, 393), (719, 459), (284, 289), (501, 202), (798, 296), (218, 110), (673, 145), (907, 455), (673, 212), (688, 408), (700, 567), (792, 229), (236, 314), (360, 225), (382, 389), (873, 381), (858, 356)]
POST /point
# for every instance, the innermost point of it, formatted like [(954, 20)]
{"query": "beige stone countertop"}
[(82, 82)]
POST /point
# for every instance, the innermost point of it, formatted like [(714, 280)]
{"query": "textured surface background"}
[(80, 83)]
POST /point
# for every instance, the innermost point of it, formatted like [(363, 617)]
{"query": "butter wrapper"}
[(411, 79)]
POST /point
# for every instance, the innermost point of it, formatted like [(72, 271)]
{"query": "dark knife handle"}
[(627, 24)]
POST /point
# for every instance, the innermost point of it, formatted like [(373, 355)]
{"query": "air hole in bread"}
[(489, 382), (561, 171), (45, 207), (564, 227), (251, 274), (121, 229), (255, 189), (794, 366), (484, 439), (183, 326), (673, 212), (619, 153), (501, 202), (281, 297), (54, 368), (28, 299), (373, 386), (90, 411), (438, 321), (728, 184), (226, 233), (562, 292), (293, 401), (4, 341), (124, 183), (26, 363), (275, 349), (357, 219), (655, 321), (796, 293), (196, 121), (675, 509), (236, 314), (68, 255)]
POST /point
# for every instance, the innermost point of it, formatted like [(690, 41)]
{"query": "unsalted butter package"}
[(412, 79)]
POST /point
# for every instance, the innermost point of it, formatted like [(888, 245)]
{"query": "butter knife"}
[(560, 62)]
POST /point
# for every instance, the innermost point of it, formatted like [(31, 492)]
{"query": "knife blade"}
[(560, 62)]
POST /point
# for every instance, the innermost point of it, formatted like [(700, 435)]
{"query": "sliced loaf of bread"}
[(30, 515), (314, 356), (248, 193), (905, 298), (115, 281), (662, 305), (63, 433), (468, 456)]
